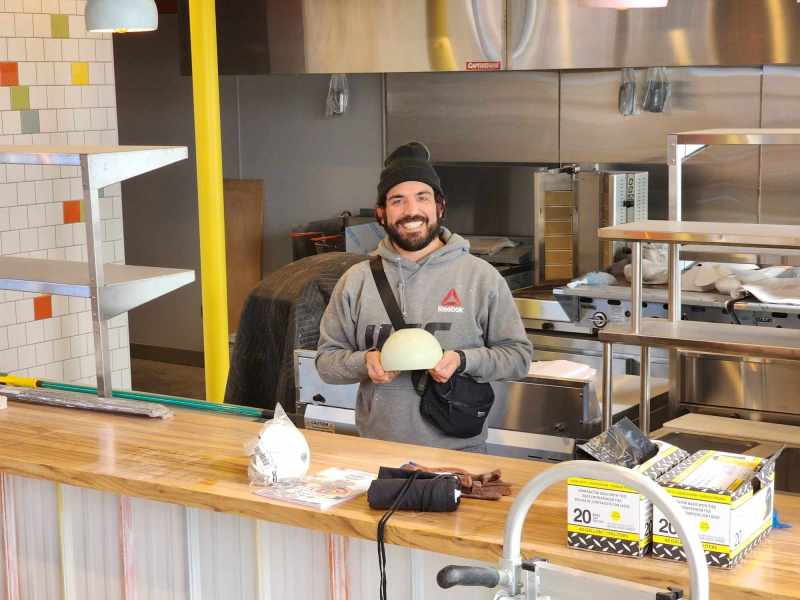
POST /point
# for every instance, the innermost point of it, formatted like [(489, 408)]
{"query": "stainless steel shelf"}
[(709, 137), (126, 286), (695, 232), (112, 289), (741, 340), (736, 254), (108, 164)]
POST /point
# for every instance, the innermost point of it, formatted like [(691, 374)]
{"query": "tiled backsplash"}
[(56, 87)]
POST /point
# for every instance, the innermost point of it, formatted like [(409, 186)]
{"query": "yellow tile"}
[(80, 73), (59, 26)]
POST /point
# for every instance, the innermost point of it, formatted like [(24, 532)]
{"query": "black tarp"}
[(282, 313)]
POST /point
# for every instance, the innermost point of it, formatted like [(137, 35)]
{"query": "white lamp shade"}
[(121, 16), (623, 4), (410, 349)]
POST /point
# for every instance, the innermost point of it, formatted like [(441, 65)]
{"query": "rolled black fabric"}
[(399, 473), (427, 495)]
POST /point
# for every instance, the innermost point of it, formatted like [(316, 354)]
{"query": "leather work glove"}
[(482, 486)]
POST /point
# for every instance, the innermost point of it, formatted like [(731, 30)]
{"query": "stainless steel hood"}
[(375, 36), (562, 34), (400, 36)]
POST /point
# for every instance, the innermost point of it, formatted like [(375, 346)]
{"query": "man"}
[(440, 286)]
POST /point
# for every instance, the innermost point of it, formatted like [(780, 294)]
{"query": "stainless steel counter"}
[(722, 384), (533, 417)]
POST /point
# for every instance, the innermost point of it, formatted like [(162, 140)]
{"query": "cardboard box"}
[(728, 499), (603, 516)]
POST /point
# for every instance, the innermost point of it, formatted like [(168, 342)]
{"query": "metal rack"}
[(113, 289), (723, 238)]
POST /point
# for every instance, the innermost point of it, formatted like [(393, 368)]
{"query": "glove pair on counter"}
[(433, 489), (483, 486)]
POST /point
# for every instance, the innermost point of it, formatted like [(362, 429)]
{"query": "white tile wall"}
[(31, 197)]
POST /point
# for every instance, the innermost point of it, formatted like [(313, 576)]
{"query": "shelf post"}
[(675, 168), (636, 286), (94, 252), (644, 392), (675, 156), (608, 386), (674, 284)]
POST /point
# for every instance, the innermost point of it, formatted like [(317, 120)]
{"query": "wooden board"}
[(244, 218), (196, 459), (739, 429)]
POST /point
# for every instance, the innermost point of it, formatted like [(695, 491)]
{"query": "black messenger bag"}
[(459, 407)]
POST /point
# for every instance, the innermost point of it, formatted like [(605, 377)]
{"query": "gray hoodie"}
[(458, 297)]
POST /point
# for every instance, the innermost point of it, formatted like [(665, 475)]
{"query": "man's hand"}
[(445, 368), (375, 370)]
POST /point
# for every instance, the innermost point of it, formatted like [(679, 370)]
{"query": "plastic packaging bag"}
[(654, 264), (627, 92), (279, 452), (623, 444), (657, 90), (593, 278), (338, 96)]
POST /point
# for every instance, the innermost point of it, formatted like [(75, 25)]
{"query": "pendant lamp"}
[(121, 16)]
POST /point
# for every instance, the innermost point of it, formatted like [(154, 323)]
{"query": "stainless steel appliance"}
[(570, 206), (749, 387), (534, 417)]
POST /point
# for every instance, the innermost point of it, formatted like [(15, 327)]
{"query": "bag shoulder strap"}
[(385, 291), (419, 378)]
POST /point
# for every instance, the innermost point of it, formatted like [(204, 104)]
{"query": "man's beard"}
[(416, 240)]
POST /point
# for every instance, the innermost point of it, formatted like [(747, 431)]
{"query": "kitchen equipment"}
[(569, 207), (534, 417)]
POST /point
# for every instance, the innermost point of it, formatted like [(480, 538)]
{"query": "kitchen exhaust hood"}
[(408, 36), (356, 36)]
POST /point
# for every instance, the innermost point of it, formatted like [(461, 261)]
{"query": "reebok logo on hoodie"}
[(451, 303)]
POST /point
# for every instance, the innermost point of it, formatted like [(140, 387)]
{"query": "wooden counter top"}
[(196, 459)]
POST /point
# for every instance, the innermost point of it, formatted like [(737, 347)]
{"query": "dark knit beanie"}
[(410, 162)]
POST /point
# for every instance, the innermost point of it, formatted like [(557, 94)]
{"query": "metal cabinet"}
[(476, 117)]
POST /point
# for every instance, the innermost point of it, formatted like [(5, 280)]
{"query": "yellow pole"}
[(440, 48), (205, 81)]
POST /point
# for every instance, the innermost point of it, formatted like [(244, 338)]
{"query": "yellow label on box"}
[(600, 485), (695, 495), (619, 535), (673, 541)]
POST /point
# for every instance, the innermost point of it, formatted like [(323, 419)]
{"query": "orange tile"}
[(42, 307), (72, 211), (9, 73)]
